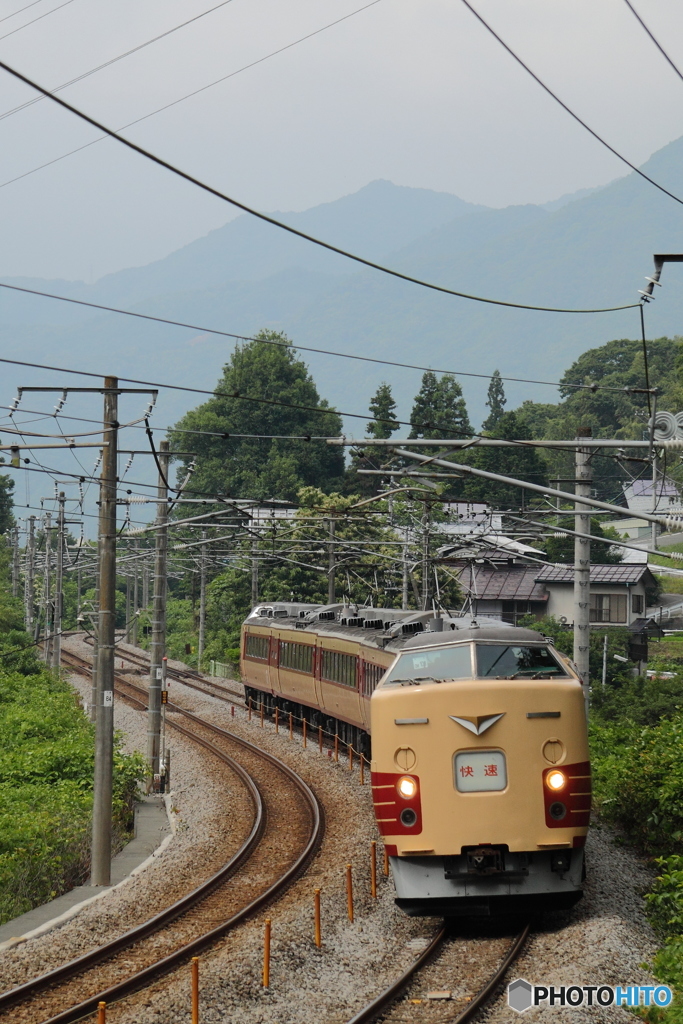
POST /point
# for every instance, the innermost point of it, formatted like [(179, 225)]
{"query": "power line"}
[(652, 37), (568, 109), (189, 95), (286, 227), (114, 60), (39, 18), (288, 344), (21, 10)]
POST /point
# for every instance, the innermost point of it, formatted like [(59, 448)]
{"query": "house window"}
[(608, 608), (637, 604)]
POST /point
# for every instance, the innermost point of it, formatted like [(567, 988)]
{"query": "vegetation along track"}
[(285, 834), (380, 1006)]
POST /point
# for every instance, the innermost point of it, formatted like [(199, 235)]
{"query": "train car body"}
[(480, 766)]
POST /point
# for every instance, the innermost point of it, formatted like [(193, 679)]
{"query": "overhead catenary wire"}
[(301, 348), (567, 108), (21, 10), (115, 60), (34, 20), (653, 38), (217, 193)]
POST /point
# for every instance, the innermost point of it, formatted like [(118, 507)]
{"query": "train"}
[(476, 732)]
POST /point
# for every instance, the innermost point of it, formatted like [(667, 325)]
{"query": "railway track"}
[(284, 836), (381, 1005), (188, 677)]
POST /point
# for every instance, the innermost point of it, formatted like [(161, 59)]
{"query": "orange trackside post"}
[(304, 723), (249, 705), (385, 866), (349, 892), (320, 738), (362, 771), (277, 720), (291, 725), (266, 954), (101, 1013), (316, 914), (195, 990), (261, 714), (373, 869), (336, 746)]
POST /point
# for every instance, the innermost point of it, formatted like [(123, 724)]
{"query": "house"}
[(617, 595)]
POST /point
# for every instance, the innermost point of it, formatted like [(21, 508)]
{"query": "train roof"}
[(391, 629)]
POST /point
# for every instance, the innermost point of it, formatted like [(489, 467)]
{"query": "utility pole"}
[(404, 592), (15, 562), (104, 721), (96, 641), (46, 587), (582, 559), (254, 571), (59, 585), (30, 570), (653, 451), (157, 648), (128, 619), (331, 587), (425, 559), (202, 601), (134, 637)]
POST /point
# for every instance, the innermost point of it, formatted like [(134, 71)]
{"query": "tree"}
[(495, 401), (439, 409), (6, 503), (518, 461), (561, 549), (382, 407), (260, 428)]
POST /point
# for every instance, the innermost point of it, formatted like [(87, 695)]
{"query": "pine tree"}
[(439, 409), (495, 401), (382, 407)]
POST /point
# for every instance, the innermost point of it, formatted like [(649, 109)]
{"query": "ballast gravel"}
[(604, 940)]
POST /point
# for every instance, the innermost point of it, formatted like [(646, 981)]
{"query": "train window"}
[(257, 647), (371, 677), (503, 661), (298, 657), (439, 663), (339, 668)]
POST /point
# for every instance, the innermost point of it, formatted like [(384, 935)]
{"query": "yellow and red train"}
[(480, 766)]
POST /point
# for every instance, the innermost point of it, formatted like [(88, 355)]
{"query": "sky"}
[(414, 92)]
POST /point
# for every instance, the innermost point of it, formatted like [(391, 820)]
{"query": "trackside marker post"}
[(101, 1013), (362, 770), (316, 915), (277, 720), (350, 757), (303, 727), (291, 725), (373, 869), (261, 714), (320, 738), (336, 746), (385, 868), (266, 954), (349, 892), (195, 990)]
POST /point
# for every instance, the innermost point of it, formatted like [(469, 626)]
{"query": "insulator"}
[(670, 443)]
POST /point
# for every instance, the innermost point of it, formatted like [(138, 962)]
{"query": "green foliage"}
[(519, 462), (382, 407), (439, 409), (561, 549), (384, 423), (263, 467), (6, 503), (611, 413), (496, 402)]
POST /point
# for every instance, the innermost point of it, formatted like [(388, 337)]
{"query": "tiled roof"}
[(624, 573), (513, 583)]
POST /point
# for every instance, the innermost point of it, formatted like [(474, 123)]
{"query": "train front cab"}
[(481, 779)]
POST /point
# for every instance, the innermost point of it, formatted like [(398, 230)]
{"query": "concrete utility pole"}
[(404, 591), (59, 586), (46, 586), (254, 571), (157, 648), (582, 558), (104, 721), (96, 642), (15, 562), (202, 601), (425, 560), (134, 637), (331, 584), (30, 577)]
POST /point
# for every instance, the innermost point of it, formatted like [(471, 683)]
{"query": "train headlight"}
[(407, 787), (555, 780)]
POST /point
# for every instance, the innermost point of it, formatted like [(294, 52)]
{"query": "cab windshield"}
[(431, 666), (505, 661)]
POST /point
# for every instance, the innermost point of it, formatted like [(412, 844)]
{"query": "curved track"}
[(381, 1004), (287, 820)]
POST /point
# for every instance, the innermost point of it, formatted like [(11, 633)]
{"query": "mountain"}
[(594, 250)]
